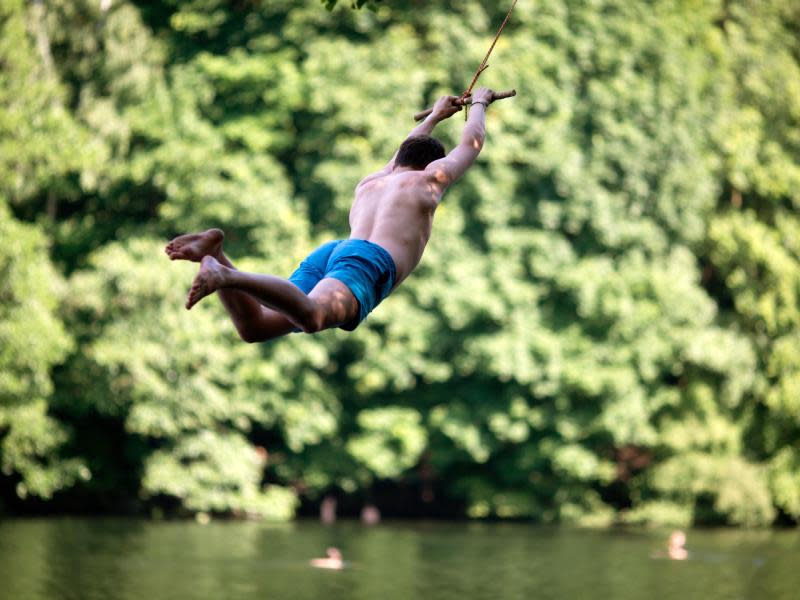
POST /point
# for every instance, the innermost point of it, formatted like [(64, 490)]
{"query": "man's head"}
[(418, 151)]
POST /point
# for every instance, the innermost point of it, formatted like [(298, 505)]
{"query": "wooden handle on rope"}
[(461, 102)]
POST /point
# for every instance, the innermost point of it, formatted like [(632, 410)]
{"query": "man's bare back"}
[(395, 211), (342, 281)]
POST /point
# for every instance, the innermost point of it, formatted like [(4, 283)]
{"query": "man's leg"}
[(253, 322), (330, 303)]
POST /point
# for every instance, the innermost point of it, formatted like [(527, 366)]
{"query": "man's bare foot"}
[(208, 280), (194, 246)]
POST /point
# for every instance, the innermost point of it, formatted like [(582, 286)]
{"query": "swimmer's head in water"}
[(677, 539)]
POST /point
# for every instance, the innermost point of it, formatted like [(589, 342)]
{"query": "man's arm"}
[(446, 170), (443, 109)]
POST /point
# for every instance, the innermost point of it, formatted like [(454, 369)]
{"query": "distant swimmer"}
[(675, 547), (370, 515), (333, 561)]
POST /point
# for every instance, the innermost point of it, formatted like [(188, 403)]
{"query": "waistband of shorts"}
[(380, 249)]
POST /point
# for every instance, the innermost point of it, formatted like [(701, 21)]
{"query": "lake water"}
[(118, 559)]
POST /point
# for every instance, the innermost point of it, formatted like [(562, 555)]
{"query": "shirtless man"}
[(342, 281)]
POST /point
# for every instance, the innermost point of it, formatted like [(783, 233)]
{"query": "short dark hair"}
[(418, 151)]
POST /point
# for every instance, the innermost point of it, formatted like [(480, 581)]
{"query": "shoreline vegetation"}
[(605, 328)]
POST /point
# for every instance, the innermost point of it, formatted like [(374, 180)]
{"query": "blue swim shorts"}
[(364, 267)]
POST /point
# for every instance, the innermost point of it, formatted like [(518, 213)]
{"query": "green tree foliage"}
[(40, 140), (753, 239), (330, 4), (604, 326), (32, 339)]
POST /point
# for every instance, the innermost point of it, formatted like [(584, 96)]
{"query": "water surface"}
[(118, 559)]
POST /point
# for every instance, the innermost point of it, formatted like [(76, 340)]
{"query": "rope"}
[(483, 66), (463, 99)]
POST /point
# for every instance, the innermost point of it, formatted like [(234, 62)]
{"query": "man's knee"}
[(330, 303), (312, 316), (312, 319)]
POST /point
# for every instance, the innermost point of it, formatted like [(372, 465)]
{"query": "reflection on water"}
[(116, 559)]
